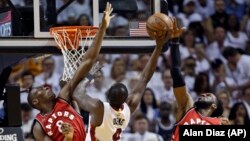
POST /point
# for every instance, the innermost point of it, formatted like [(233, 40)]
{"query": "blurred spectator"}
[(133, 79), (245, 24), (235, 37), (246, 99), (79, 7), (141, 126), (121, 31), (219, 18), (165, 92), (235, 7), (198, 32), (27, 81), (218, 78), (187, 46), (70, 15), (224, 96), (83, 20), (165, 123), (149, 106), (205, 8), (97, 89), (238, 115), (32, 65), (238, 67), (202, 61), (117, 73), (119, 26), (215, 48), (201, 84), (48, 77), (59, 64), (189, 72), (103, 59), (27, 121), (175, 6), (189, 15)]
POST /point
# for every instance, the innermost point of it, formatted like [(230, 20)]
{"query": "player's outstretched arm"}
[(39, 134), (137, 91), (89, 57), (184, 100)]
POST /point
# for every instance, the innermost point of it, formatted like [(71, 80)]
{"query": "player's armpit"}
[(39, 133)]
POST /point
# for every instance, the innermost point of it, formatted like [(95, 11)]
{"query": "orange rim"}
[(85, 30)]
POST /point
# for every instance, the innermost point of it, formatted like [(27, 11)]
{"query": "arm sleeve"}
[(176, 63)]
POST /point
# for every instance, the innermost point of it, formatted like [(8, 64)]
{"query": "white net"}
[(73, 49)]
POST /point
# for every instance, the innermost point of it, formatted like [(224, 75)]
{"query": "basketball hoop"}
[(72, 40)]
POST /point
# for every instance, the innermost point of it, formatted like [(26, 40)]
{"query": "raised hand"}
[(177, 31), (106, 15)]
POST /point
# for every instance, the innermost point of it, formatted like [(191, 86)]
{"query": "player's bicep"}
[(39, 133)]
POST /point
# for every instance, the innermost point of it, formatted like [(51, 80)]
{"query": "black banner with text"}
[(214, 132)]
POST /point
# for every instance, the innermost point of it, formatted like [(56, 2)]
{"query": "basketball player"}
[(207, 108), (109, 119), (56, 113)]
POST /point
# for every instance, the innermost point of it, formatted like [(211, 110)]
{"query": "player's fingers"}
[(107, 5), (111, 10), (175, 23), (172, 20), (110, 5), (183, 29), (112, 16)]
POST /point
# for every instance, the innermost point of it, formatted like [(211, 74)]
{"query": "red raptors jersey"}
[(62, 112), (192, 117)]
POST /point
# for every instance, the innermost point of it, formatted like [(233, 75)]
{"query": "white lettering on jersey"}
[(53, 118), (196, 121)]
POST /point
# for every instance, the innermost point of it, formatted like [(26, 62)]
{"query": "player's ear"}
[(214, 106), (35, 101)]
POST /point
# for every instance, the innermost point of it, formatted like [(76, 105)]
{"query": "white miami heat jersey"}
[(114, 122)]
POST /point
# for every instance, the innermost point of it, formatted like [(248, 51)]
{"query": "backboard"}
[(30, 26)]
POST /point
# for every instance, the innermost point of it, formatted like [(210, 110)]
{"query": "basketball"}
[(158, 24)]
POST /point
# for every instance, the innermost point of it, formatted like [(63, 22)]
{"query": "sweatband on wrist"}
[(178, 80)]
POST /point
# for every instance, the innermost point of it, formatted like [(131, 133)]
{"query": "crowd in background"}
[(215, 54)]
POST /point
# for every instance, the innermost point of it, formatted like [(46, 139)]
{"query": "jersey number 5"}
[(117, 134)]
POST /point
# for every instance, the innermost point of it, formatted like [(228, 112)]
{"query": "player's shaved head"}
[(117, 95)]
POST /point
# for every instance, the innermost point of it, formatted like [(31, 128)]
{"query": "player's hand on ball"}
[(67, 130), (161, 40), (177, 31), (106, 15)]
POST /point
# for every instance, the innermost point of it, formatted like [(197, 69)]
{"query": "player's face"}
[(43, 93), (207, 97), (205, 101)]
